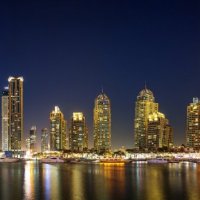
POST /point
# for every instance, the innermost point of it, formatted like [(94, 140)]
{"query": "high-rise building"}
[(78, 133), (58, 130), (168, 137), (44, 140), (16, 113), (144, 105), (159, 132), (33, 136), (27, 141), (5, 118), (102, 123), (193, 124)]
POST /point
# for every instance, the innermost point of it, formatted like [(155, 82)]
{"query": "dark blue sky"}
[(67, 50)]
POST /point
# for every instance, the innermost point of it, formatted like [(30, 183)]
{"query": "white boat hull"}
[(51, 160), (157, 161), (8, 160)]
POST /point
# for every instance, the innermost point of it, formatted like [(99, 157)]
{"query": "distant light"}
[(57, 109)]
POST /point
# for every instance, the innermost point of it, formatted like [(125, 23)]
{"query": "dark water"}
[(32, 180)]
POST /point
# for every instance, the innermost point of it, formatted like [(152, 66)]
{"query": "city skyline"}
[(67, 51), (145, 95)]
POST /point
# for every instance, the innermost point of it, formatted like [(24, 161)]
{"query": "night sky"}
[(66, 51)]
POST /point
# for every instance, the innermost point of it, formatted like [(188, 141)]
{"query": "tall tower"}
[(159, 132), (33, 139), (16, 113), (5, 118), (168, 137), (102, 123), (144, 105), (78, 134), (193, 124), (58, 130), (44, 140)]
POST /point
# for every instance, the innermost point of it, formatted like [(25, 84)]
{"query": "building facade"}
[(27, 141), (16, 113), (159, 132), (44, 140), (5, 119), (144, 106), (58, 130), (78, 133), (33, 135), (102, 123), (193, 125)]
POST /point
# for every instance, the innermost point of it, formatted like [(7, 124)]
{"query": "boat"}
[(52, 160), (173, 161), (139, 161), (95, 161), (157, 161), (112, 160), (8, 160)]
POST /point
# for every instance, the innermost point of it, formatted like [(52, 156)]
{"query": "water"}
[(33, 180)]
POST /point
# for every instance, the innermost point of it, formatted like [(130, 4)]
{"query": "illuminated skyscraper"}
[(168, 137), (16, 113), (33, 139), (144, 105), (58, 130), (44, 140), (27, 141), (5, 118), (159, 132), (78, 133), (102, 123), (193, 124)]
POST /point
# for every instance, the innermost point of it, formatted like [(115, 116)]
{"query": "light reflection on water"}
[(33, 180)]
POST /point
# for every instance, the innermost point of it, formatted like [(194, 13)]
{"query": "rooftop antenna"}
[(102, 89)]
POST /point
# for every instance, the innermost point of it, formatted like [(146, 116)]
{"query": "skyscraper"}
[(168, 137), (58, 130), (44, 140), (78, 133), (159, 132), (193, 124), (33, 139), (144, 105), (102, 123), (27, 141), (16, 113), (5, 118)]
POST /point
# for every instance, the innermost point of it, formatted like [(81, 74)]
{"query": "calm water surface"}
[(33, 180)]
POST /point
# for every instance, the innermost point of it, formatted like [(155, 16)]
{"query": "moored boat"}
[(8, 160), (112, 160), (52, 160), (157, 161), (173, 161)]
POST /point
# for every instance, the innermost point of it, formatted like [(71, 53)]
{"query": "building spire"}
[(102, 89)]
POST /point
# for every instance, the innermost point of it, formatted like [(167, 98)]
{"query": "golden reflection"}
[(154, 183), (115, 176), (77, 191), (29, 182), (192, 179)]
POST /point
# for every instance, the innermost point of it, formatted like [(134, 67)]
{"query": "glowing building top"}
[(146, 95)]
